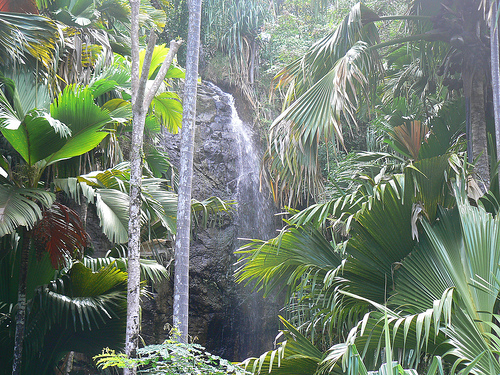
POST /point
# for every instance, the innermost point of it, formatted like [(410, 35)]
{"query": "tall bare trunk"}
[(495, 75), (181, 278), (141, 99), (473, 78), (478, 130), (21, 306)]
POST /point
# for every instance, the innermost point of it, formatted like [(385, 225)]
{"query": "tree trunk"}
[(134, 224), (473, 79), (21, 306), (181, 278), (141, 99), (495, 75), (478, 130)]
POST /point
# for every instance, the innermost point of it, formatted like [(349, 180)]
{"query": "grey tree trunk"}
[(181, 278), (473, 79), (21, 307), (478, 130), (495, 74), (140, 104)]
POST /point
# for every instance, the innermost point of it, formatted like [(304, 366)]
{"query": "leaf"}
[(168, 109), (38, 136), (75, 107), (20, 207), (112, 209), (60, 232)]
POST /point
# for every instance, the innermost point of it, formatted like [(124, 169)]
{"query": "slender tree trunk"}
[(21, 306), (473, 78), (478, 130), (495, 75), (141, 99), (134, 224), (181, 278), (134, 227)]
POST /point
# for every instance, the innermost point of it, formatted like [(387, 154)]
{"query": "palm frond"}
[(60, 233), (150, 269), (28, 38), (20, 207), (296, 355)]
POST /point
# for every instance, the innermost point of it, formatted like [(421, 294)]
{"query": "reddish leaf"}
[(411, 135), (59, 232), (19, 6)]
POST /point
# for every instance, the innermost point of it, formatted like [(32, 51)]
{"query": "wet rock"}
[(227, 318)]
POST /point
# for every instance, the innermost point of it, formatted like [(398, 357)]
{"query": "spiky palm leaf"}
[(109, 191), (19, 207), (28, 38), (83, 311), (365, 265), (296, 355), (151, 270), (446, 292)]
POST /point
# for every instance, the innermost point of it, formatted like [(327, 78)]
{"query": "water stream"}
[(228, 318), (255, 212), (254, 220)]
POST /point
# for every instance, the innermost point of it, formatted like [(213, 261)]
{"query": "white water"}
[(255, 213)]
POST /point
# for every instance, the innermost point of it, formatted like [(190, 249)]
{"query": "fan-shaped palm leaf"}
[(60, 233), (24, 36), (75, 107), (295, 356), (37, 136), (82, 311), (446, 291), (20, 207), (151, 270), (109, 191)]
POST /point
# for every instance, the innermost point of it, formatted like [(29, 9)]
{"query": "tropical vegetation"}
[(380, 131), (397, 257)]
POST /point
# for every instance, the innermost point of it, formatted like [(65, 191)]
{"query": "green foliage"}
[(28, 39), (70, 309), (170, 358)]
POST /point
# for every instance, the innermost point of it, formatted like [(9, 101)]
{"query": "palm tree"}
[(345, 275), (71, 128), (77, 305), (327, 85), (439, 293)]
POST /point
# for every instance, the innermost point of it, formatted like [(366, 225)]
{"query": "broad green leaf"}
[(168, 109), (76, 108), (112, 209), (159, 54), (38, 136)]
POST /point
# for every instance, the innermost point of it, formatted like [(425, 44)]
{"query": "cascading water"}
[(254, 208), (228, 318)]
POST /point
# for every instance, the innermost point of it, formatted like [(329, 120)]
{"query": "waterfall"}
[(228, 318), (254, 207)]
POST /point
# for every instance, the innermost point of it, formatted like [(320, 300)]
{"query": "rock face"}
[(226, 317)]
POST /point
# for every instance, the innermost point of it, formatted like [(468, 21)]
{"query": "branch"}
[(174, 46), (143, 80)]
